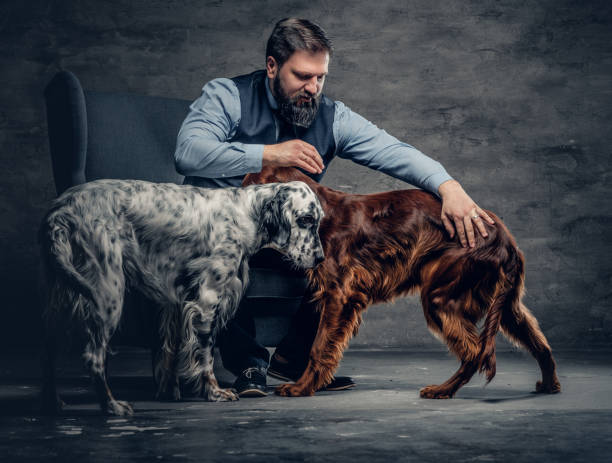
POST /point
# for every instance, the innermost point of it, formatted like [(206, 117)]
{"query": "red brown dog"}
[(381, 246)]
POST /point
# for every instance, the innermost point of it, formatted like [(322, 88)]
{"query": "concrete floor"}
[(382, 419)]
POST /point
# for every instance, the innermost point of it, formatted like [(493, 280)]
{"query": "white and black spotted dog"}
[(186, 248)]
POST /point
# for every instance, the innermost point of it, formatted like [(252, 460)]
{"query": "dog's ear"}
[(274, 222)]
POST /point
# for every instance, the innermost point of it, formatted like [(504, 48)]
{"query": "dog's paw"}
[(548, 387), (118, 408), (217, 394), (291, 390), (435, 392)]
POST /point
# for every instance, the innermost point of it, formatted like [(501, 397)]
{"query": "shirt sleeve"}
[(202, 147), (364, 143)]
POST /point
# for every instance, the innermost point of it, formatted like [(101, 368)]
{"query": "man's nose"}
[(311, 86)]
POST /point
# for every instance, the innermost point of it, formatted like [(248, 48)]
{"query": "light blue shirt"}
[(206, 157)]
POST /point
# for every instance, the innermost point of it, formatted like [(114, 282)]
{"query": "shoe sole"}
[(253, 393), (277, 375), (338, 388)]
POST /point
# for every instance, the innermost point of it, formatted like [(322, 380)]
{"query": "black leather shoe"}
[(285, 372), (251, 383), (339, 383)]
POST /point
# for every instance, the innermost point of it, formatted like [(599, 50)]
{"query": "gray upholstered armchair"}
[(96, 135)]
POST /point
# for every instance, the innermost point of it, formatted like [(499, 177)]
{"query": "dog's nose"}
[(319, 258)]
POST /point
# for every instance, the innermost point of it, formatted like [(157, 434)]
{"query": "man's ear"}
[(272, 67)]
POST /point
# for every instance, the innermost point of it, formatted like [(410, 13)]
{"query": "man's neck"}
[(270, 94)]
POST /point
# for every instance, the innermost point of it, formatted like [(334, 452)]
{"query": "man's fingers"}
[(461, 232), (487, 218), (481, 228), (295, 153), (315, 159), (477, 215), (469, 229), (310, 161), (307, 164), (312, 152), (448, 225)]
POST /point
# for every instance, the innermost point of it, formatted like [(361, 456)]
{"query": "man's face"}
[(297, 85)]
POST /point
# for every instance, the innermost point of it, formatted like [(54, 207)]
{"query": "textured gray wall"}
[(513, 97)]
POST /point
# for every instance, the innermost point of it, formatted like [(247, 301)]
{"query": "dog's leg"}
[(212, 392), (196, 351), (448, 389), (95, 360), (52, 404), (166, 361), (336, 327), (166, 376), (520, 326), (445, 319), (99, 328)]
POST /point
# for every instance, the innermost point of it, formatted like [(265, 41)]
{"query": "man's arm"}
[(361, 141), (202, 148)]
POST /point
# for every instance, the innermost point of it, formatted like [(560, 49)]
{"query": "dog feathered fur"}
[(185, 248), (384, 245)]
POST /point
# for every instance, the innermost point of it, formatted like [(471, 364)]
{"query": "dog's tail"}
[(58, 244), (508, 292)]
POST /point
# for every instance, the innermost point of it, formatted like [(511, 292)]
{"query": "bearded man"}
[(280, 117)]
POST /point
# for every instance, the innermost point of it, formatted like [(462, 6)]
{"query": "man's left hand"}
[(460, 212)]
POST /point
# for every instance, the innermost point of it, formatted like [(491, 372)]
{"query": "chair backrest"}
[(96, 135)]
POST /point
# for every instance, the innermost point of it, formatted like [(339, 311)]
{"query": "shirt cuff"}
[(433, 183), (253, 157)]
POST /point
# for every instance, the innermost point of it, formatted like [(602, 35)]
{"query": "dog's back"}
[(184, 247), (383, 245)]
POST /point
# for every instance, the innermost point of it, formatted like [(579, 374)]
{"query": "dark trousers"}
[(237, 344)]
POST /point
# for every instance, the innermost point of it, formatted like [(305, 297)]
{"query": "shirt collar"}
[(271, 100)]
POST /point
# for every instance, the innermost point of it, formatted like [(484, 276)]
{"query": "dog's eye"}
[(306, 221)]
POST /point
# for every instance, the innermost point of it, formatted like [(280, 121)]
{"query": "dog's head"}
[(290, 219)]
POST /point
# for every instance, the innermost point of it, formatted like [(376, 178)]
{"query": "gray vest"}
[(257, 124)]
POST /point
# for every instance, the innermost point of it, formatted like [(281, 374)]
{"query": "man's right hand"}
[(294, 153)]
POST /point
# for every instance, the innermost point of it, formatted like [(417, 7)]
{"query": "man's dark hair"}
[(292, 34)]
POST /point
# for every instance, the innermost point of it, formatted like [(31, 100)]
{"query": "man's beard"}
[(289, 110)]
